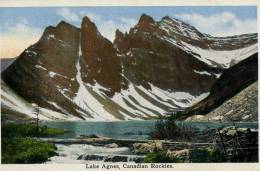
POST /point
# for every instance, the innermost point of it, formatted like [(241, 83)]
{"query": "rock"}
[(232, 131), (111, 158), (116, 159), (91, 157), (182, 154), (103, 64), (113, 145), (230, 98), (89, 136), (143, 148)]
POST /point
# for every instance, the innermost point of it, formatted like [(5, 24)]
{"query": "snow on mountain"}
[(226, 58), (158, 67), (215, 52), (12, 101)]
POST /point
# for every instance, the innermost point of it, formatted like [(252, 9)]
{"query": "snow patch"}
[(224, 57), (31, 52), (52, 74), (202, 72), (40, 67)]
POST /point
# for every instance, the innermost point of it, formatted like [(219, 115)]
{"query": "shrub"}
[(168, 129), (26, 150), (206, 155), (18, 147)]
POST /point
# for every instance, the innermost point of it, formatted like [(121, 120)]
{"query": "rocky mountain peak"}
[(119, 34), (145, 23), (119, 38), (155, 68), (88, 24), (145, 19), (99, 56), (166, 18)]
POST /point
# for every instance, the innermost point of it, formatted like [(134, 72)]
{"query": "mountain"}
[(231, 82), (6, 62), (155, 68), (241, 107)]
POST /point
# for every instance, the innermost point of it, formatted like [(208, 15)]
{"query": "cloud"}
[(106, 27), (68, 15), (16, 37), (222, 24)]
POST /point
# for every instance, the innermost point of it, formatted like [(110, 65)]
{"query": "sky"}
[(22, 26)]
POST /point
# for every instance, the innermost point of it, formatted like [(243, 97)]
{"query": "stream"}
[(136, 130)]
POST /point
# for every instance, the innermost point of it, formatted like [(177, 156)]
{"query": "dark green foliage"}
[(206, 155), (18, 147), (200, 155), (168, 129), (160, 157), (28, 130), (26, 150)]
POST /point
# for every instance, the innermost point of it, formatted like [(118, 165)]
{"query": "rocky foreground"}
[(230, 142)]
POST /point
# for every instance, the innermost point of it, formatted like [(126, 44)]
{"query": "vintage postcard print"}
[(129, 87)]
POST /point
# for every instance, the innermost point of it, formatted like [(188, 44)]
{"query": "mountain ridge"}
[(142, 74)]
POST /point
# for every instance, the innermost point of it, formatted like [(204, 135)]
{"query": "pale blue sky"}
[(25, 25)]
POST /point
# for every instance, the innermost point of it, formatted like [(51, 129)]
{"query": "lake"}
[(131, 129)]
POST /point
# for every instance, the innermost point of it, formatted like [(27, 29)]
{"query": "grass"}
[(28, 130), (18, 145)]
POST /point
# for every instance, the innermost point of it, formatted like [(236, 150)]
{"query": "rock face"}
[(44, 72), (151, 55), (242, 107), (100, 59), (6, 62), (229, 84), (155, 68)]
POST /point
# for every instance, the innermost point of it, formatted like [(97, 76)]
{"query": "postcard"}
[(125, 86)]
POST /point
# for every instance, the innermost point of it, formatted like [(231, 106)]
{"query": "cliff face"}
[(156, 68), (99, 60), (6, 62), (44, 73), (231, 82), (241, 107), (151, 55)]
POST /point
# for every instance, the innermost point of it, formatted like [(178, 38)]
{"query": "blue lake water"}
[(131, 129)]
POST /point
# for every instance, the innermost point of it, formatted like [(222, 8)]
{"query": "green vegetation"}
[(206, 155), (28, 130), (26, 150), (168, 129), (160, 157), (18, 145)]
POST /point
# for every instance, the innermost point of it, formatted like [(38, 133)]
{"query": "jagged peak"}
[(87, 23), (119, 34), (145, 19), (166, 18), (63, 24)]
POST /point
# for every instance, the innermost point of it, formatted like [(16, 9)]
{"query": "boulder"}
[(182, 154), (113, 145), (143, 148)]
